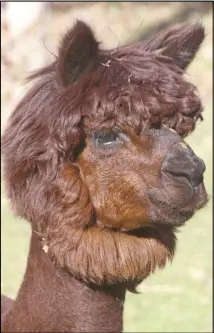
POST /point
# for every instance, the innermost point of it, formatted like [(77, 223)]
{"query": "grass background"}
[(179, 298)]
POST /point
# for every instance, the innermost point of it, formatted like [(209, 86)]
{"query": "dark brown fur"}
[(89, 206)]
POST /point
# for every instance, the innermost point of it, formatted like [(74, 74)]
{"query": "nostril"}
[(195, 179), (201, 165)]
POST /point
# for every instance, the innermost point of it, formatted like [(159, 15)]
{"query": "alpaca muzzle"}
[(182, 162)]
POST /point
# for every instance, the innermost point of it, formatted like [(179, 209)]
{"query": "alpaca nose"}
[(184, 163)]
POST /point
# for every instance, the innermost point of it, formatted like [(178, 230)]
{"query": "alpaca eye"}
[(106, 138)]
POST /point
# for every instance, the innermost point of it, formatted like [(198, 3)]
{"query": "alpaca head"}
[(94, 155)]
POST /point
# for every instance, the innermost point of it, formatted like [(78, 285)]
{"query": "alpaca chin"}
[(103, 256)]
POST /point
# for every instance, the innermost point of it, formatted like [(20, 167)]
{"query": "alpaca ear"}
[(78, 53), (180, 43)]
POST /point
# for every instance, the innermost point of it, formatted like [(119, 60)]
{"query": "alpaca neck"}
[(50, 300)]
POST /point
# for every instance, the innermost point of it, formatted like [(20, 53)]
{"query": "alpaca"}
[(95, 160)]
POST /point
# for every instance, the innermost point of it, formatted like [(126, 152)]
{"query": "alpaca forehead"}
[(97, 124), (123, 107), (109, 115)]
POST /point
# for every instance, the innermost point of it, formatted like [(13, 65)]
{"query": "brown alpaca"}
[(94, 159)]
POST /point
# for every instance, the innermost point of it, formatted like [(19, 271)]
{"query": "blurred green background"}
[(179, 298)]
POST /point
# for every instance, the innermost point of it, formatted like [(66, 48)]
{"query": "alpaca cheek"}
[(74, 197), (119, 199), (117, 209)]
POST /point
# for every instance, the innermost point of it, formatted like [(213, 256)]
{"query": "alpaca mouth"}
[(182, 179), (179, 191), (177, 201), (150, 231), (146, 231)]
